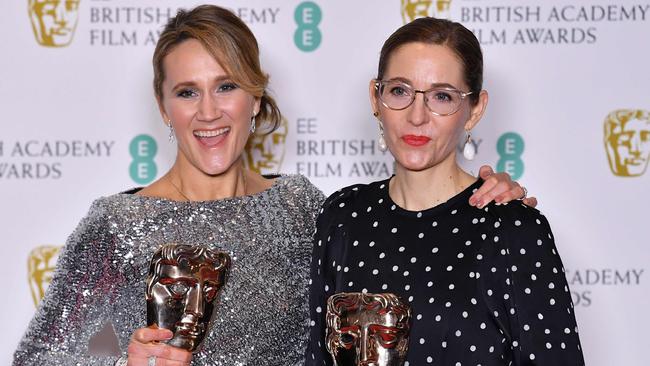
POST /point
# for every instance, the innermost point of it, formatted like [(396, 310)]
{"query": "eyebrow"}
[(185, 84), (433, 85)]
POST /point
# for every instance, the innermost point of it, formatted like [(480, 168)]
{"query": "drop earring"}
[(252, 124), (172, 136), (469, 150), (381, 141)]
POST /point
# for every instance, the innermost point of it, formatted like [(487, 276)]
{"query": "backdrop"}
[(568, 117)]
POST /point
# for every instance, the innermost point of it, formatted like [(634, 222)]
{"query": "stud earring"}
[(469, 150), (172, 136), (252, 124)]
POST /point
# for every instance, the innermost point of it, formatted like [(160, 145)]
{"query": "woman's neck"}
[(191, 184), (424, 189)]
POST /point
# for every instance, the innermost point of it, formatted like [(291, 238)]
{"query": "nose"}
[(208, 109), (367, 355), (194, 301), (418, 112)]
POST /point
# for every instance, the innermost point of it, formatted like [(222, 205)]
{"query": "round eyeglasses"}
[(398, 95)]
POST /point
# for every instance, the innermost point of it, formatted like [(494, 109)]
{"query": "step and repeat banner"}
[(569, 117)]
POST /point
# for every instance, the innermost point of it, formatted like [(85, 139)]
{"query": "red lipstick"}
[(414, 140)]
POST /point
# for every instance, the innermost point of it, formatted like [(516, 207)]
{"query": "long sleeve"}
[(327, 238), (77, 302), (537, 310)]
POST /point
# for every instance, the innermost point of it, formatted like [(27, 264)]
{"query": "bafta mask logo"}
[(264, 153), (413, 9), (367, 329), (40, 269), (183, 287), (54, 21), (627, 141)]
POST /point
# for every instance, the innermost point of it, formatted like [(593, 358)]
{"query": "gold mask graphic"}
[(367, 329), (413, 9), (264, 153), (627, 141), (54, 21), (40, 269)]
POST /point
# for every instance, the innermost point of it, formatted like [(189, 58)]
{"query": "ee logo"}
[(510, 146), (307, 37), (143, 149)]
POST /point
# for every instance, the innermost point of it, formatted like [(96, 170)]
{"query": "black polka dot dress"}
[(486, 286)]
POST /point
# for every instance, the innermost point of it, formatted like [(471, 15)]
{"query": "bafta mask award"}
[(182, 290), (367, 329)]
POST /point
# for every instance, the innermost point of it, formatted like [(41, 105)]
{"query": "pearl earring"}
[(469, 150)]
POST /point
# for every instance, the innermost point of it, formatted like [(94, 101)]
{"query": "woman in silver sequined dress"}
[(212, 95)]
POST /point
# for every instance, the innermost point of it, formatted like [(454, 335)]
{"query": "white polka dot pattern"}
[(481, 282)]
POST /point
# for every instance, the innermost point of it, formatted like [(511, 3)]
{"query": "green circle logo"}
[(510, 147), (143, 149), (307, 36)]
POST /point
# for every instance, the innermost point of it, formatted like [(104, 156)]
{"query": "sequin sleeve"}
[(77, 301)]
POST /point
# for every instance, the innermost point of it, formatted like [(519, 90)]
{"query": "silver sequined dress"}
[(262, 318)]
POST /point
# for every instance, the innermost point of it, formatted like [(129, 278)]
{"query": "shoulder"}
[(349, 201), (517, 214), (101, 211), (107, 212), (354, 196), (100, 208), (296, 186), (92, 232), (522, 227)]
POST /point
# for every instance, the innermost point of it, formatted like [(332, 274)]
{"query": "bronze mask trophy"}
[(182, 290), (367, 329)]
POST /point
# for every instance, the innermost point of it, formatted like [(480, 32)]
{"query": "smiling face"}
[(416, 137), (210, 113)]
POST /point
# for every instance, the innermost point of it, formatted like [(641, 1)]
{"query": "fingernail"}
[(479, 205), (472, 201)]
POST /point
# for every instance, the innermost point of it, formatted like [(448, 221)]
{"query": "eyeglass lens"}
[(398, 95)]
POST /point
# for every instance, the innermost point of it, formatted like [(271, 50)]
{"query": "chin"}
[(415, 163), (215, 167)]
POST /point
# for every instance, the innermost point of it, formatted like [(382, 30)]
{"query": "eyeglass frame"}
[(462, 94)]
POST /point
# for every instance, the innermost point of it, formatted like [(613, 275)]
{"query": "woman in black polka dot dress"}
[(486, 285)]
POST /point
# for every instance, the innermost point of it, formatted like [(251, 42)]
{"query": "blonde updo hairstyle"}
[(233, 46)]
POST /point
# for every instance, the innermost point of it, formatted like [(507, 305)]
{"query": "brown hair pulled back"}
[(230, 42), (440, 32)]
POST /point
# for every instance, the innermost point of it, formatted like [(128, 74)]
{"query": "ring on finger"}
[(152, 361), (525, 193)]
